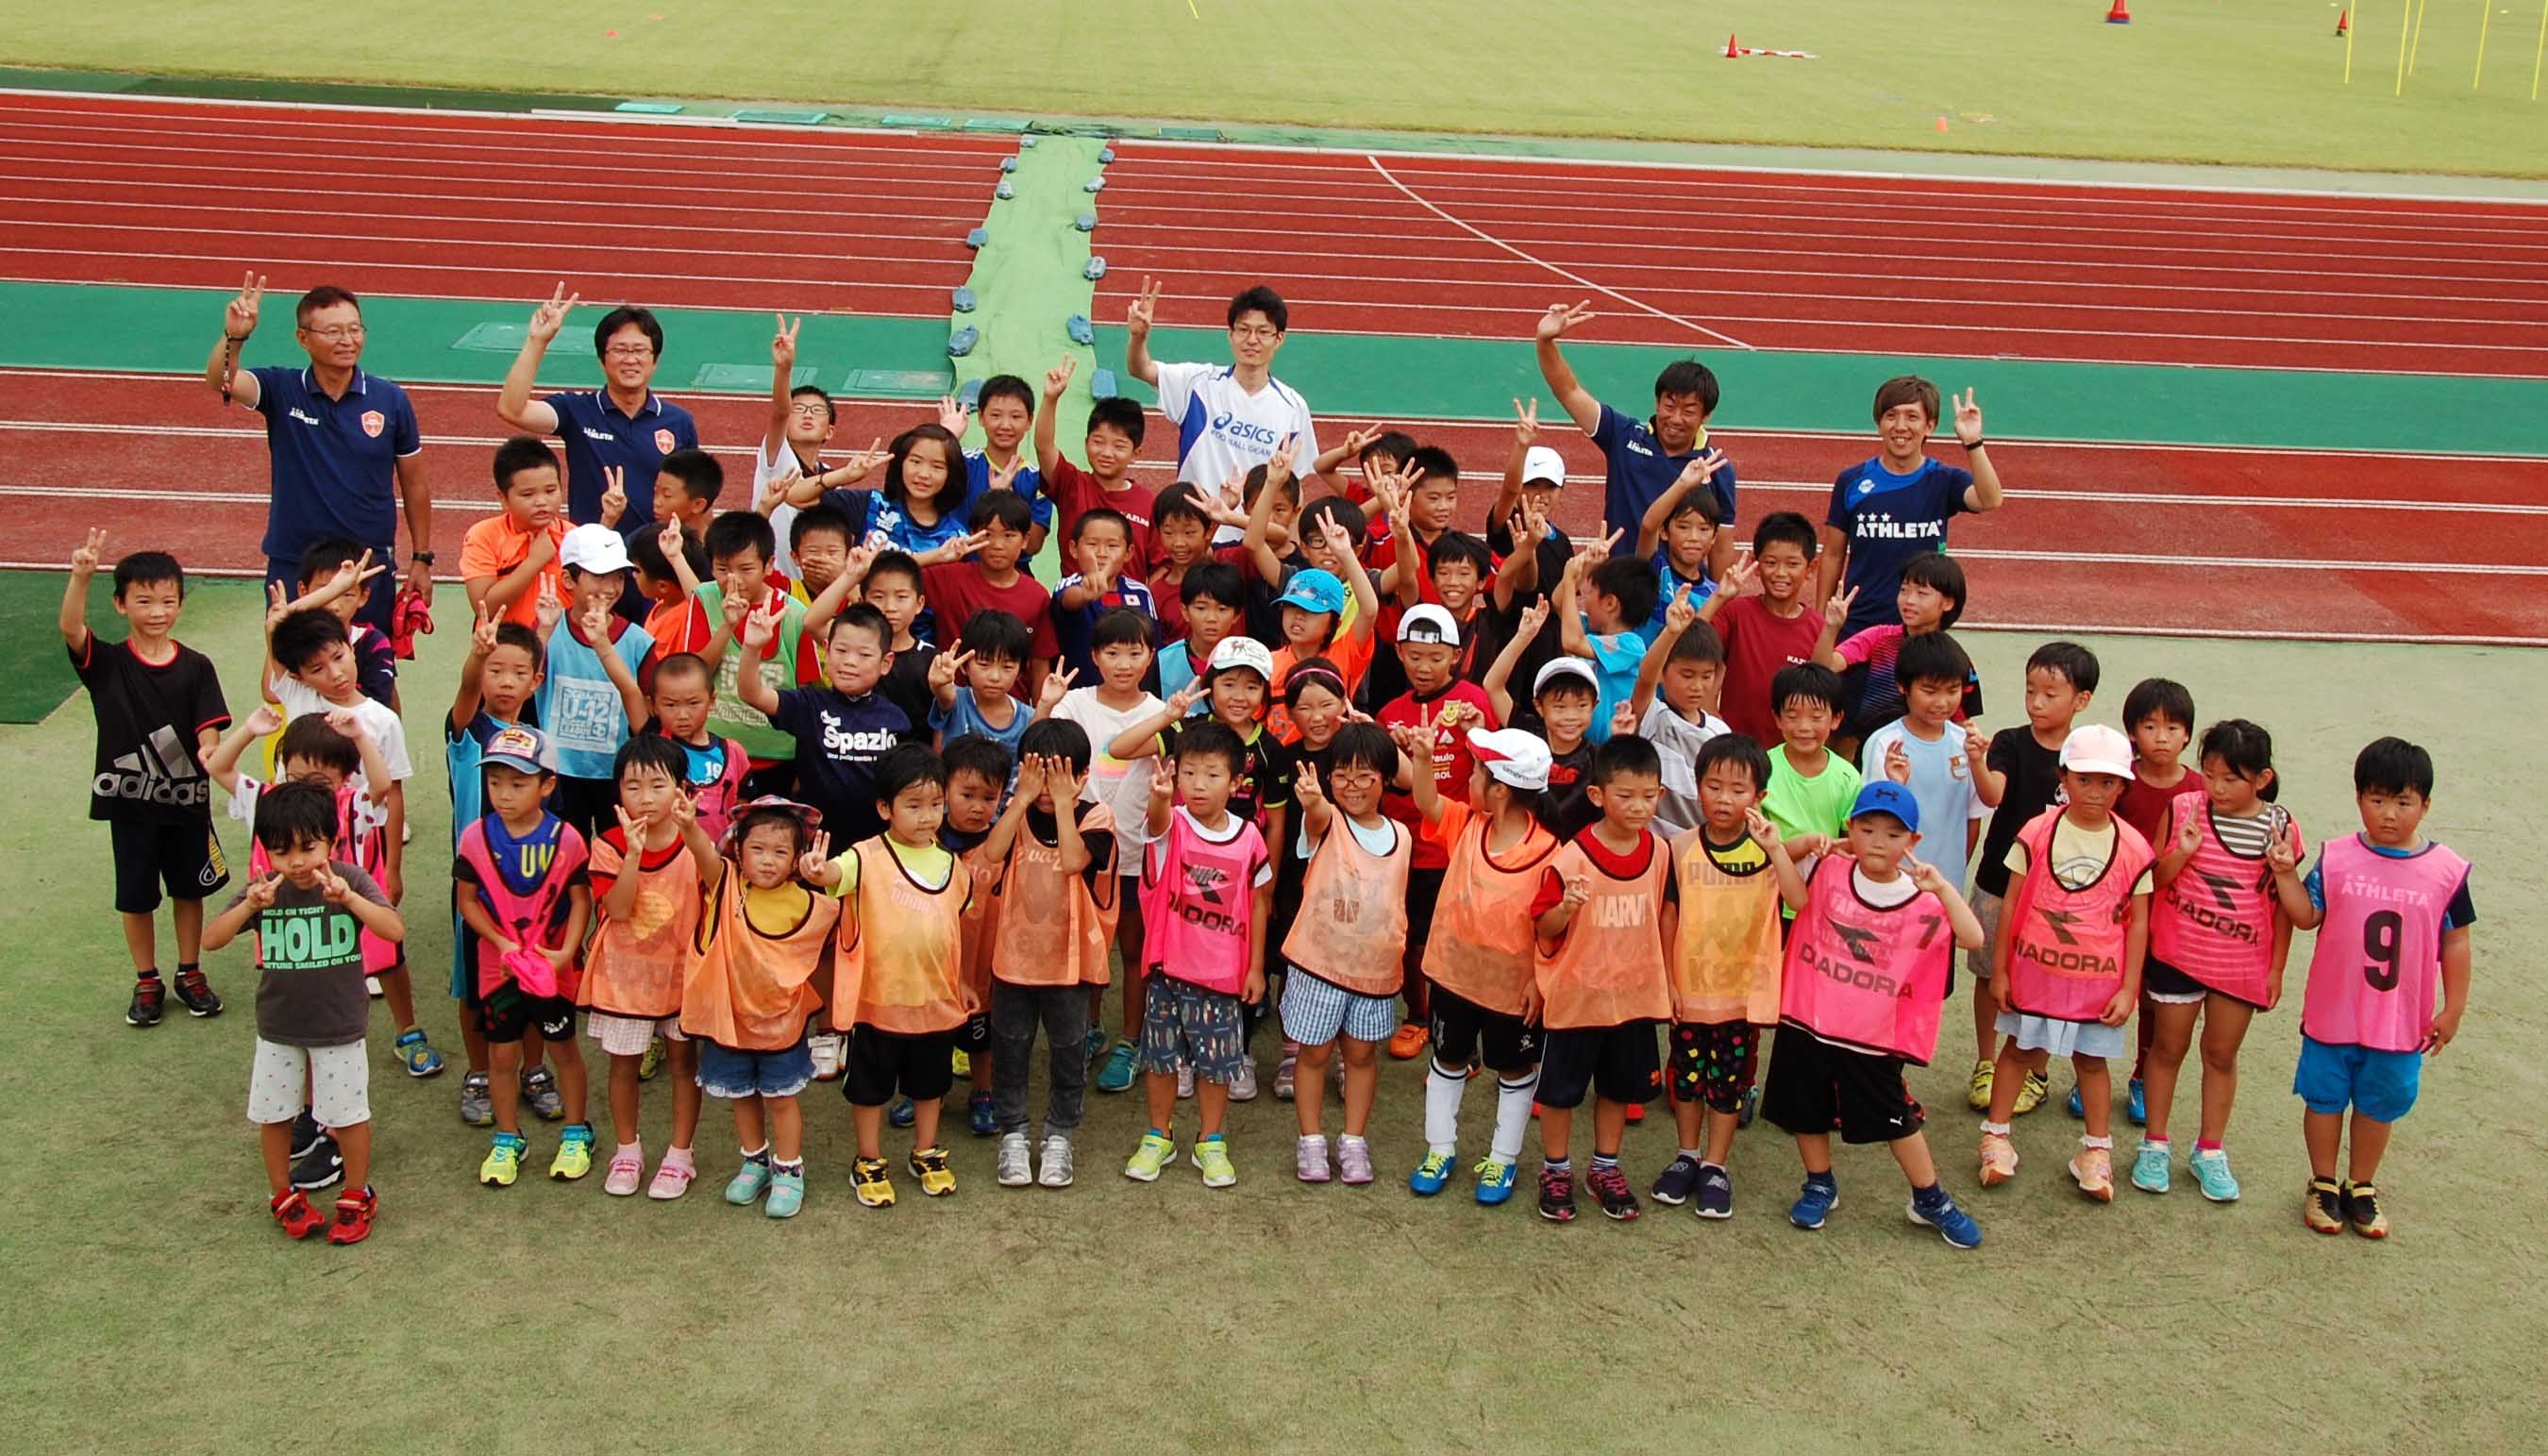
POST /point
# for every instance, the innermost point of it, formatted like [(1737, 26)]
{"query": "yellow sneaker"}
[(1977, 1097), (575, 1152), (868, 1177), (929, 1165), (963, 1065), (503, 1161), (2031, 1095)]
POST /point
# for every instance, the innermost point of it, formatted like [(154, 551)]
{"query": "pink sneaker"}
[(1353, 1160), (673, 1176), (627, 1169), (1310, 1159)]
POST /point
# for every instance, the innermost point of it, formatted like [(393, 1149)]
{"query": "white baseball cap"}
[(1540, 463), (1427, 622), (1516, 758), (2097, 749), (1565, 667), (594, 548), (1241, 652)]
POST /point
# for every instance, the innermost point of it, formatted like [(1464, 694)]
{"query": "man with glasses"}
[(342, 444), (622, 424), (1228, 420)]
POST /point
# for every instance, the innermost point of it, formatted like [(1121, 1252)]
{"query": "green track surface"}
[(155, 1307), (2238, 81)]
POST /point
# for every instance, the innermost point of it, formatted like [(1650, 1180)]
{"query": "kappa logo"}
[(374, 422), (664, 444)]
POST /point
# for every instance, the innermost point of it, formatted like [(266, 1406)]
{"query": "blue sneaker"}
[(2137, 1107), (902, 1114), (982, 1115), (1431, 1174), (2079, 1104), (417, 1054), (2211, 1174), (1116, 1074), (1092, 1045), (787, 1194), (753, 1180), (2151, 1166), (1495, 1181), (1952, 1224), (1814, 1204)]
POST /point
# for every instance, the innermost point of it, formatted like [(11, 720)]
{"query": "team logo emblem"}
[(663, 442), (373, 422)]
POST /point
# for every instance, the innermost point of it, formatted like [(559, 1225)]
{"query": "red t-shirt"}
[(1757, 646), (1452, 761), (1076, 492), (2145, 808), (1612, 862), (958, 589)]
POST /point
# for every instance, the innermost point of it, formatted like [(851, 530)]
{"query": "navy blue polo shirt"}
[(1639, 472), (1029, 483), (595, 433), (1890, 519), (335, 461)]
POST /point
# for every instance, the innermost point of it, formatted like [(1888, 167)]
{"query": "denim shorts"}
[(730, 1073), (2380, 1085)]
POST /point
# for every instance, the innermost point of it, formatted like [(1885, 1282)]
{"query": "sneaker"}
[(929, 1165), (787, 1192), (1716, 1197), (1211, 1154), (290, 1209), (1977, 1093), (305, 1134), (673, 1176), (2030, 1094), (2135, 1106), (2322, 1208), (903, 1112), (477, 1102), (1093, 1046), (540, 1090), (2077, 1105), (1410, 1041), (1243, 1080), (1952, 1224), (1672, 1186), (1310, 1160), (1495, 1181), (2150, 1167), (1556, 1196), (1999, 1159), (2210, 1167), (825, 1048), (1610, 1187), (651, 1060), (503, 1161), (2094, 1171), (418, 1054), (749, 1182), (981, 1116), (353, 1222), (962, 1064), (1431, 1175), (868, 1177), (573, 1154), (627, 1169), (321, 1167), (1155, 1152), (196, 994), (1185, 1081), (148, 996), (2362, 1209), (1814, 1204), (1057, 1159), (1116, 1074), (1353, 1162), (1287, 1072), (1750, 1109), (1012, 1166)]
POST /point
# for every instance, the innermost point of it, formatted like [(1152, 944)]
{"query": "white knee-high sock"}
[(1442, 1108), (1512, 1117)]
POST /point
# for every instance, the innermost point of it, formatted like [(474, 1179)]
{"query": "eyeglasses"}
[(629, 351), (339, 334), (1254, 331)]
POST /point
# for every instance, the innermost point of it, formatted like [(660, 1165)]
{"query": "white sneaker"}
[(1011, 1163), (826, 1050), (1185, 1080), (1242, 1082), (1057, 1161)]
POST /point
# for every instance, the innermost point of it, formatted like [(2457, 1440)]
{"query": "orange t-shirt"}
[(1350, 654), (495, 546)]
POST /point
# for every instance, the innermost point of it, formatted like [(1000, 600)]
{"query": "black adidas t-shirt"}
[(149, 720)]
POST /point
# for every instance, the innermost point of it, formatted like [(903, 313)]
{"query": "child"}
[(1310, 607), (1207, 890), (2067, 971), (525, 898), (589, 696), (819, 542), (1858, 996), (687, 486), (667, 568), (1441, 709), (1930, 599), (1605, 914), (898, 982), (1810, 788), (500, 682), (740, 545), (761, 940), (1687, 663), (2219, 937), (1101, 541), (1560, 714), (310, 668), (1479, 957), (1725, 968), (840, 732), (2392, 912), (802, 421), (1347, 948), (1938, 758), (1678, 538), (925, 493), (1214, 605), (989, 656), (1005, 406), (1616, 594), (1766, 634), (2023, 769), (1897, 505), (1319, 707), (990, 581), (506, 558), (1050, 861), (159, 709), (322, 566), (2160, 716), (1462, 575), (978, 773), (646, 893), (891, 585), (713, 768), (1181, 545), (1113, 440), (306, 916), (1107, 711)]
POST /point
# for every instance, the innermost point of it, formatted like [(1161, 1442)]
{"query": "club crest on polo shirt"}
[(663, 442), (373, 422)]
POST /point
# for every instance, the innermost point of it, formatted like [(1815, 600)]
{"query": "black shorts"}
[(1715, 1063), (1424, 891), (1463, 1029), (508, 1012), (1614, 1063), (974, 1037), (1815, 1086), (585, 803), (774, 778), (185, 857), (881, 1064)]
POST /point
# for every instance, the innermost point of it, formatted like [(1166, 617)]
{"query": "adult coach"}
[(1230, 420), (1896, 505), (1641, 459), (624, 423), (342, 444)]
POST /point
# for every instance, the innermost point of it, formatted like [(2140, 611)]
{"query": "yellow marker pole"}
[(2348, 54), (2542, 52), (2417, 53), (2405, 23), (2485, 18)]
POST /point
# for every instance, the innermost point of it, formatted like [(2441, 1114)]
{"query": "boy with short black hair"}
[(1940, 760), (988, 657), (320, 567), (740, 545), (159, 707), (990, 581), (310, 668), (687, 486), (1106, 579), (499, 684), (841, 731), (1113, 442), (1615, 594), (1679, 536), (683, 692), (505, 559), (1810, 788), (1181, 545), (1106, 709), (1005, 407), (1560, 711), (1767, 633), (1674, 707), (1214, 602), (1896, 505), (1440, 707), (892, 583)]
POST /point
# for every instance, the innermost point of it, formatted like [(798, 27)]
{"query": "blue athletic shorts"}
[(2381, 1085)]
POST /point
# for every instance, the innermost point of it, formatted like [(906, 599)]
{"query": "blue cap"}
[(1885, 797), (1314, 590)]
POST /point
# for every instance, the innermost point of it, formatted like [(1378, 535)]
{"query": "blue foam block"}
[(1077, 327), (962, 341)]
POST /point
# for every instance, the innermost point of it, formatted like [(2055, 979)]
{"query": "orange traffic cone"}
[(2344, 20), (1732, 50), (2120, 15), (1942, 124)]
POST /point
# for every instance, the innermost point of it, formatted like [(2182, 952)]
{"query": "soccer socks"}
[(1512, 1117), (1442, 1091)]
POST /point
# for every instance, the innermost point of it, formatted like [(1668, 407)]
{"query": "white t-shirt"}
[(1224, 430), (1121, 786), (775, 460), (368, 815), (1231, 826), (1677, 741), (1942, 783), (295, 699)]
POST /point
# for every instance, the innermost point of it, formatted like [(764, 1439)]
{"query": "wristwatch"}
[(422, 558)]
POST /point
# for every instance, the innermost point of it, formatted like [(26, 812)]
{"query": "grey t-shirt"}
[(309, 957)]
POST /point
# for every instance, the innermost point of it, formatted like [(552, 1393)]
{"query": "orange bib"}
[(1053, 930), (900, 963), (1352, 930), (981, 924), (1481, 947), (750, 990), (635, 968), (1726, 952), (1607, 971)]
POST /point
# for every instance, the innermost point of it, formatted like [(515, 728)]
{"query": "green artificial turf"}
[(153, 1307)]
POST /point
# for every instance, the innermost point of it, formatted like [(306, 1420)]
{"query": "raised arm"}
[(1572, 397), (1255, 539), (1136, 334), (1694, 476), (748, 684), (75, 616), (1984, 493), (238, 320), (1141, 739), (783, 379), (1056, 382), (1499, 672), (220, 765), (514, 403), (1679, 615)]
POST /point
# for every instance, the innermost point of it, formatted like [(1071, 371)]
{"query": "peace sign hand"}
[(1739, 575), (1578, 890), (550, 317), (614, 495), (1056, 380), (1533, 617), (1925, 875), (1679, 615), (481, 634), (944, 667), (1834, 610), (782, 346), (1144, 311), (1762, 832), (1057, 686), (1306, 788), (1182, 700), (814, 865), (632, 827), (85, 558), (238, 317), (1163, 779), (1969, 420), (1526, 420), (1561, 318)]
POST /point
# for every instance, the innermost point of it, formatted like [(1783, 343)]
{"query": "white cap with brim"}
[(1514, 759), (1565, 667), (1542, 465), (2094, 748), (594, 548)]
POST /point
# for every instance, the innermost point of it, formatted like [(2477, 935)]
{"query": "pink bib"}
[(2065, 954), (1197, 897), (2216, 920), (528, 919), (1866, 978), (2378, 961)]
